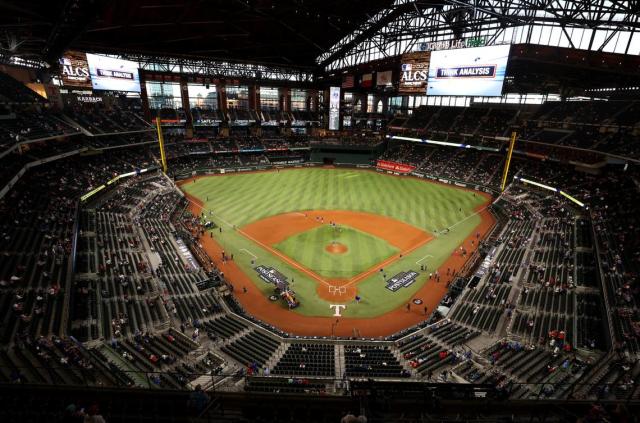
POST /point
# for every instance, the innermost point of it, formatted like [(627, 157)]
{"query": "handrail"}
[(603, 282), (566, 388)]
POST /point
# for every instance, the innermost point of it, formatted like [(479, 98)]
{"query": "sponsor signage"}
[(74, 70), (401, 280), (414, 72), (334, 108), (271, 275), (395, 167), (453, 44), (89, 99)]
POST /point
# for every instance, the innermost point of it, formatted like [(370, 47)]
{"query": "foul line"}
[(249, 252), (386, 262), (428, 255), (268, 248), (357, 278), (468, 217), (283, 257)]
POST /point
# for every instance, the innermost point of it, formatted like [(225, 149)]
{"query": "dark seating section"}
[(436, 349), (153, 360), (99, 119), (23, 125), (534, 370), (305, 359), (605, 126), (557, 257), (284, 386), (482, 308), (224, 327), (14, 91), (371, 361), (255, 347)]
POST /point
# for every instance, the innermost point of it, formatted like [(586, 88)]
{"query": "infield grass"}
[(363, 251)]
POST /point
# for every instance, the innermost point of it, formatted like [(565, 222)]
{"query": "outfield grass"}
[(238, 199), (363, 251)]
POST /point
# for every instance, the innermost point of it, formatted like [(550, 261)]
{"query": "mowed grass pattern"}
[(239, 199), (364, 251), (244, 198)]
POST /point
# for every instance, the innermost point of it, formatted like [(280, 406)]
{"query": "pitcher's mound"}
[(336, 248)]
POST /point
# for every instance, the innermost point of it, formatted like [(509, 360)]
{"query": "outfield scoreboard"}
[(476, 71), (112, 74)]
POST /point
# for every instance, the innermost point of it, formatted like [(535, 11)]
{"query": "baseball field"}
[(363, 240)]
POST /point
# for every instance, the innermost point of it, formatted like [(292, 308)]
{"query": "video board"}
[(108, 73), (476, 71)]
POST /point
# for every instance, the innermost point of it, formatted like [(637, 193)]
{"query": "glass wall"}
[(238, 97), (202, 97), (298, 100), (269, 99), (164, 95)]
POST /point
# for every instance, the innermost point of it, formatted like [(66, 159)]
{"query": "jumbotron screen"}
[(475, 71), (111, 74)]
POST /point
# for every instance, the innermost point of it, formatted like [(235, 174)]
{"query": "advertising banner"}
[(334, 108), (395, 167)]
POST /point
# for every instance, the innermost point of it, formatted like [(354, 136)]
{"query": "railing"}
[(239, 381)]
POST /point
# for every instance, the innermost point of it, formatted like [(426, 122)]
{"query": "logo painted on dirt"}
[(271, 275), (336, 309), (402, 279)]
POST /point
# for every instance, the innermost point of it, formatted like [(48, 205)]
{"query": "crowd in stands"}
[(603, 126), (99, 119), (136, 297)]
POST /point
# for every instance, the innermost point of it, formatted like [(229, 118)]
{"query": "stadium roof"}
[(603, 25), (285, 32)]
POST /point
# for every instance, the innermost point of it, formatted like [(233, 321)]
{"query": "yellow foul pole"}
[(507, 163), (163, 157)]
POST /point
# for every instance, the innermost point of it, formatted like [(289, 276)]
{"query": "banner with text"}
[(414, 72), (395, 167)]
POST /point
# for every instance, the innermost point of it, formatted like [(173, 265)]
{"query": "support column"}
[(184, 94), (222, 106), (144, 97)]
